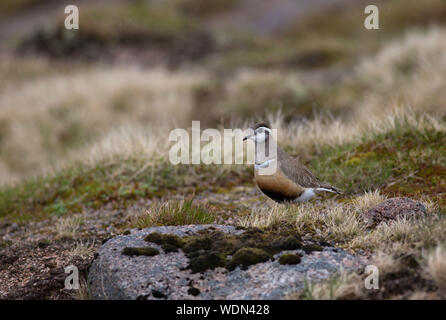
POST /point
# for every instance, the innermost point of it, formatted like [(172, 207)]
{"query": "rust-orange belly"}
[(278, 187)]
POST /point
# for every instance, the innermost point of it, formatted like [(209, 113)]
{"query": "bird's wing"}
[(300, 174)]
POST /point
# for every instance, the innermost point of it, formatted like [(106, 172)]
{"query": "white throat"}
[(264, 164), (265, 151)]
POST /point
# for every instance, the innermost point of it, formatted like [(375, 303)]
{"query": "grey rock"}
[(394, 209), (116, 276)]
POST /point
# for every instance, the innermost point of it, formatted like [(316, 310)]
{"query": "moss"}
[(146, 251), (154, 237), (167, 247), (197, 243), (43, 243), (211, 248), (206, 260), (410, 261), (353, 161), (312, 247), (289, 258), (158, 294), (248, 256), (288, 243), (5, 244), (193, 291), (165, 239)]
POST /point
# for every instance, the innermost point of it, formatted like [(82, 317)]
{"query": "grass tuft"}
[(172, 213), (436, 266)]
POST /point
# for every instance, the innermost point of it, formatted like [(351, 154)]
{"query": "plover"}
[(290, 181)]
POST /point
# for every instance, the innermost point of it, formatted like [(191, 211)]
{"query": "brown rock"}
[(394, 209)]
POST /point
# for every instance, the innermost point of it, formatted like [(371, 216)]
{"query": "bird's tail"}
[(329, 189)]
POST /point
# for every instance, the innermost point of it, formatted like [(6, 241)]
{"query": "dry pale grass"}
[(69, 226), (341, 222), (312, 134), (265, 216), (421, 295), (436, 265), (252, 91), (406, 71), (403, 236), (368, 200), (329, 219), (128, 142), (83, 249), (83, 292), (386, 263), (341, 286), (42, 120), (307, 135)]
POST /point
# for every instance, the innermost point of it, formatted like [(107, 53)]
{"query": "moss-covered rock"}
[(146, 251), (248, 256), (289, 258), (206, 260)]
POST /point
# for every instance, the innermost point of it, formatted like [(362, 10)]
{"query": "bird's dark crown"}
[(261, 125)]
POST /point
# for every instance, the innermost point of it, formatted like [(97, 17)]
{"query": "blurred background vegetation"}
[(136, 64)]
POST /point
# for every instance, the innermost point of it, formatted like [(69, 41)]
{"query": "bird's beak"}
[(249, 133)]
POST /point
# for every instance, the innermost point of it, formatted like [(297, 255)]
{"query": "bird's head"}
[(259, 133)]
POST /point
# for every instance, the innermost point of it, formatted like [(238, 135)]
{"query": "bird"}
[(290, 181)]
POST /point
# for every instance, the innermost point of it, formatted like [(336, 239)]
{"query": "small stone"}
[(393, 209)]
